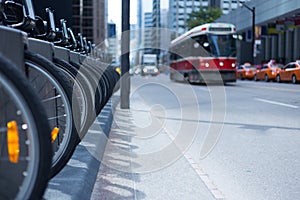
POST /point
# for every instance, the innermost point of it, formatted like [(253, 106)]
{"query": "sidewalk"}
[(77, 178), (135, 166), (128, 154)]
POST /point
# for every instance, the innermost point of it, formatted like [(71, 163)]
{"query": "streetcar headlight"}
[(206, 64), (221, 64), (233, 65)]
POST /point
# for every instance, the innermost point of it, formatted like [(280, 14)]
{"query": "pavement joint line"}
[(122, 123), (105, 111), (95, 131), (104, 116), (216, 193), (99, 122)]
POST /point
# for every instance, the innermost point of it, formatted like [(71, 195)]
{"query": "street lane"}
[(257, 154)]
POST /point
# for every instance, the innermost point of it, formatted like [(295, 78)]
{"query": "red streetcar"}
[(206, 53)]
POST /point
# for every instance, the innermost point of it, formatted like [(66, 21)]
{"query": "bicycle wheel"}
[(25, 147), (94, 86), (101, 84), (63, 112), (80, 92), (108, 79)]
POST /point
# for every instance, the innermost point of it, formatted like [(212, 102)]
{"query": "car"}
[(150, 70), (246, 71), (290, 73), (135, 70), (268, 72)]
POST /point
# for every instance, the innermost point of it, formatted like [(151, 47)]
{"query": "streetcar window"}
[(204, 47), (173, 57), (222, 45)]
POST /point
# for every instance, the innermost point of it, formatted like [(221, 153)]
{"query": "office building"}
[(179, 13), (90, 19), (179, 10), (165, 37), (229, 5), (277, 33), (148, 25), (139, 22), (112, 42), (156, 27), (84, 16)]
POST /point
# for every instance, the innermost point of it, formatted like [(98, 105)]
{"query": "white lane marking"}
[(276, 103), (215, 191)]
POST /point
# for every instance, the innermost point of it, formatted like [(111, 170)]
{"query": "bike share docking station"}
[(44, 48), (49, 51), (13, 43), (75, 57), (37, 97)]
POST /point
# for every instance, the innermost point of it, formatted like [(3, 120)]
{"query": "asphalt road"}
[(182, 141)]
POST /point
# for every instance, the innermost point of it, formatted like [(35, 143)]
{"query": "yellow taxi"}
[(268, 72), (290, 73), (246, 71)]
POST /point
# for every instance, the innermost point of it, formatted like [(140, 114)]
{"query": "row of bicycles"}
[(52, 89)]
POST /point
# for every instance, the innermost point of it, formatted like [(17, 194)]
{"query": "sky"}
[(114, 10)]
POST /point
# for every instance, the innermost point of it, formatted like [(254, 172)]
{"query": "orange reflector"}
[(118, 69), (54, 134), (13, 141)]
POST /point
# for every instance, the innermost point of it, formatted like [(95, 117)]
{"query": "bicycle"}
[(50, 84), (25, 140)]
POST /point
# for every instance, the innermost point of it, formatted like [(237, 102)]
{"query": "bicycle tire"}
[(24, 106), (94, 85), (107, 79), (109, 82), (102, 84), (81, 86), (70, 138)]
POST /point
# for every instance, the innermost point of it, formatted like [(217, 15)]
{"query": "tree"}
[(202, 16)]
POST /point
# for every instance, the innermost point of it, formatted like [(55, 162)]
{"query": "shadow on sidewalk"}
[(116, 178)]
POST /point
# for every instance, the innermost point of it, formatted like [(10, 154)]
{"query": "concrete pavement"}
[(77, 179), (128, 154), (255, 158), (134, 167)]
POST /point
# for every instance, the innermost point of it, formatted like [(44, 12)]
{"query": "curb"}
[(77, 178)]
